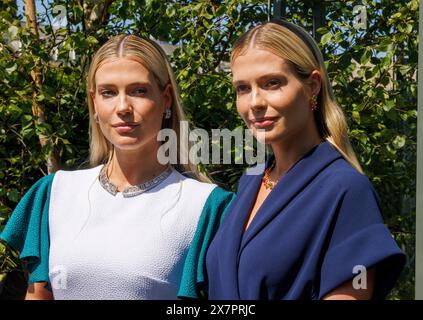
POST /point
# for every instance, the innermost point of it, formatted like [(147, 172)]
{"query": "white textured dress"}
[(105, 246)]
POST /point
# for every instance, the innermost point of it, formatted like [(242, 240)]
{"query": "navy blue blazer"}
[(313, 232)]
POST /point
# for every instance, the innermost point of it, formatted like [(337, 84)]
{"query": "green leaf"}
[(13, 32), (15, 110), (13, 195), (170, 11), (399, 142), (326, 38), (356, 116), (388, 105), (92, 40), (365, 58), (12, 68)]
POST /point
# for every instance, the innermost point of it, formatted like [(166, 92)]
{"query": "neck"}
[(289, 151), (133, 167)]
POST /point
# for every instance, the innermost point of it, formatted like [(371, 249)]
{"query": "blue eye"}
[(139, 91), (241, 88), (107, 93), (273, 83)]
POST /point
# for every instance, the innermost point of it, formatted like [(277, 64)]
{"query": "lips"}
[(263, 122), (125, 127)]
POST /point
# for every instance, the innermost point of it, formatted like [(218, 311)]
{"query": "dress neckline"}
[(135, 190)]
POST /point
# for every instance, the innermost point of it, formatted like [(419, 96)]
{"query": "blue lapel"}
[(294, 181), (240, 209)]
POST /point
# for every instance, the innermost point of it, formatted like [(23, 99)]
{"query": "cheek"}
[(297, 113), (151, 114), (242, 107), (150, 110), (282, 100), (289, 102), (103, 107)]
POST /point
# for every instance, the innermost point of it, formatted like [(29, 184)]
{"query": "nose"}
[(124, 105), (257, 100)]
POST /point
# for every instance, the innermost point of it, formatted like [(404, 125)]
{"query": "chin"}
[(127, 144), (283, 137), (271, 136), (127, 147)]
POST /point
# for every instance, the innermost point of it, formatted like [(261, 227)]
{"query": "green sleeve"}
[(27, 229), (194, 282)]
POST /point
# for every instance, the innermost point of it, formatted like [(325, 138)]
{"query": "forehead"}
[(256, 62), (121, 71)]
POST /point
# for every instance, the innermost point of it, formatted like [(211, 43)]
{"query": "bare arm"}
[(347, 292), (38, 291)]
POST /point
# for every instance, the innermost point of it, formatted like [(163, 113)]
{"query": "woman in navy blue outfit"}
[(310, 226)]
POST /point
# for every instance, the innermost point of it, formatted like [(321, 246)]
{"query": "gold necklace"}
[(269, 184)]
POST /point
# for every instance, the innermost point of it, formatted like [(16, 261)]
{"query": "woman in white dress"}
[(122, 228)]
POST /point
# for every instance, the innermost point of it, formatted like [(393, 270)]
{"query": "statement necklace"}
[(132, 191), (269, 184)]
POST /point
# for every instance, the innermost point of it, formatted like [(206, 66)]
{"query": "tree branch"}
[(38, 109)]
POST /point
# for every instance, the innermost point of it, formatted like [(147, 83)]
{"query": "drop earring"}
[(168, 113), (313, 103)]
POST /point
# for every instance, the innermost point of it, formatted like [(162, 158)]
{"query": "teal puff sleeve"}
[(194, 282), (27, 229)]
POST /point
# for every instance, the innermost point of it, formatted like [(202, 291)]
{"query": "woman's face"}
[(129, 103), (271, 97)]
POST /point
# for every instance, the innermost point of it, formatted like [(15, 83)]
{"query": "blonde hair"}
[(152, 57), (295, 45)]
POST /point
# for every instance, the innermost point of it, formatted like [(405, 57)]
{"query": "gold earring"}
[(313, 103)]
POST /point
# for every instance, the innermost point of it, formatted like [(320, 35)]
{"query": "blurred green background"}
[(370, 48)]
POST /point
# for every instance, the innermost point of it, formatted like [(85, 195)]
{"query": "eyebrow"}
[(106, 85), (265, 76)]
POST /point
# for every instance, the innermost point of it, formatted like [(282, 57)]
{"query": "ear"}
[(315, 82), (167, 96)]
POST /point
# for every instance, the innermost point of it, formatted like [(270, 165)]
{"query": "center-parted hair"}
[(293, 44), (153, 58)]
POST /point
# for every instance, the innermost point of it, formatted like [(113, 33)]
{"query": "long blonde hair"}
[(294, 44), (152, 57)]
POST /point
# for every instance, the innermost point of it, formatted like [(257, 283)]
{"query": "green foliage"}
[(373, 72), (374, 76), (13, 282)]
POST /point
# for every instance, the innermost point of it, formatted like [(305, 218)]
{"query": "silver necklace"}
[(132, 191)]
